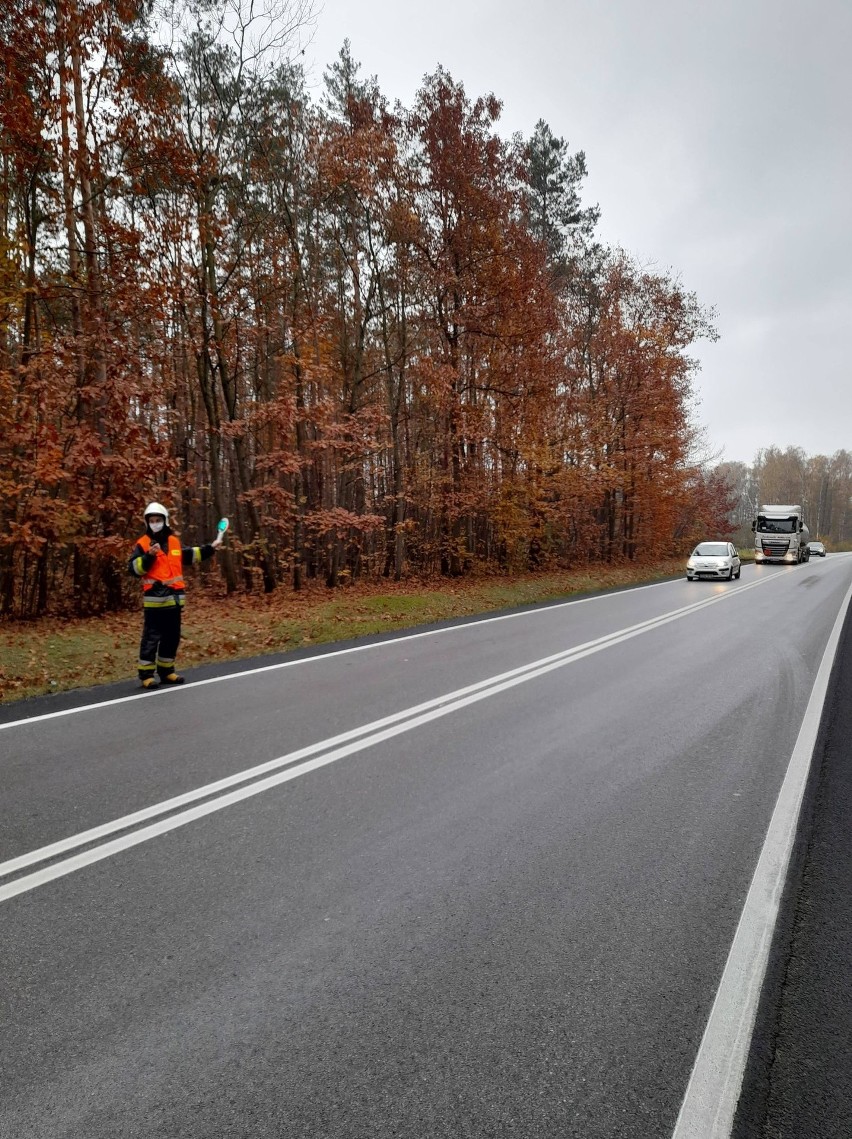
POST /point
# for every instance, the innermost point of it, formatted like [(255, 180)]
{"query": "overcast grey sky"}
[(718, 142)]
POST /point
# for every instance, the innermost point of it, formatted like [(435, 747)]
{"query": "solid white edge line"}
[(544, 608), (446, 704), (713, 1091)]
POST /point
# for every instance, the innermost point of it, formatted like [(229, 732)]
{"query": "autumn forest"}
[(383, 340)]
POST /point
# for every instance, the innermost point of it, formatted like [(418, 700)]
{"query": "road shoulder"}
[(798, 1080)]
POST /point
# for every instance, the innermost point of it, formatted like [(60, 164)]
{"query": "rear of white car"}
[(713, 561)]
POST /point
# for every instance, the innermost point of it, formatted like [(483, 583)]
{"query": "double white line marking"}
[(177, 812)]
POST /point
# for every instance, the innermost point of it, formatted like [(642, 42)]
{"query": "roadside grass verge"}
[(55, 655)]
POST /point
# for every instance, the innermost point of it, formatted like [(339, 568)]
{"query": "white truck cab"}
[(780, 535)]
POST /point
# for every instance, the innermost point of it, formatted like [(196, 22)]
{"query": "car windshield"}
[(776, 525), (711, 550)]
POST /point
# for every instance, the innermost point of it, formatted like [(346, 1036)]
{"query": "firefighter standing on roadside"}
[(158, 559)]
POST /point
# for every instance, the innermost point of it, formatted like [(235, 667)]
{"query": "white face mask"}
[(156, 527)]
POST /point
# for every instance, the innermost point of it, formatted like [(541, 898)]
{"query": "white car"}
[(713, 560)]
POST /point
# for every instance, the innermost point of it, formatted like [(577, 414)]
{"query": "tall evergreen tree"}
[(555, 213)]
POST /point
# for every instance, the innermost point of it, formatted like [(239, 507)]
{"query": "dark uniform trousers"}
[(160, 636)]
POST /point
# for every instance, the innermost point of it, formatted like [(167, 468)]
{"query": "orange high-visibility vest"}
[(167, 567)]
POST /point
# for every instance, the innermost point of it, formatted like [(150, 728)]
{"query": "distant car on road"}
[(713, 560), (816, 549)]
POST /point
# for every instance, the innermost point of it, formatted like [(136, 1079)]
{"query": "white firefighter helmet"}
[(156, 508)]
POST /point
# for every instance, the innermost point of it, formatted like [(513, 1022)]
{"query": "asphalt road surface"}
[(798, 1081), (480, 881)]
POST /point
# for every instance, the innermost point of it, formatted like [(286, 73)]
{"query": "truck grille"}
[(775, 549)]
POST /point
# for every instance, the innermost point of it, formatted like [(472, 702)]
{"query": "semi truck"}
[(780, 535)]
